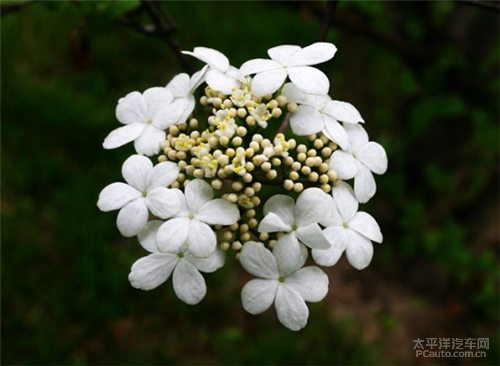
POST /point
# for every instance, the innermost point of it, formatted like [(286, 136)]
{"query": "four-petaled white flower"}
[(221, 76), (182, 87), (294, 62), (321, 114), (151, 271), (261, 115), (349, 230), (146, 191), (359, 161), (282, 281), (145, 116), (191, 225), (299, 220)]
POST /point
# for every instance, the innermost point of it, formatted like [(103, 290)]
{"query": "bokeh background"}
[(424, 75)]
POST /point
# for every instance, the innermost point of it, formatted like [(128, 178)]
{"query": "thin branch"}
[(284, 124), (13, 8), (146, 29), (482, 5), (165, 28), (332, 6)]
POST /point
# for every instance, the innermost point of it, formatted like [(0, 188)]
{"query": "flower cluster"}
[(226, 139)]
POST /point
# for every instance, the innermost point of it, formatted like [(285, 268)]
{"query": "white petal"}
[(332, 218), (162, 175), (259, 261), (156, 99), (189, 284), (132, 109), (312, 236), (364, 184), (366, 225), (135, 170), (311, 207), (283, 54), (191, 102), (295, 95), (170, 114), (357, 136), (273, 223), (163, 203), (268, 82), (197, 193), (344, 164), (345, 201), (133, 217), (309, 80), (359, 250), (209, 264), (283, 206), (151, 271), (212, 57), (197, 79), (179, 85), (116, 195), (314, 54), (338, 237), (258, 65), (310, 282), (344, 112), (147, 237), (291, 308), (290, 254), (218, 212), (335, 132), (221, 82), (306, 121), (148, 143), (172, 235), (201, 239), (258, 295), (184, 212), (123, 135), (374, 157)]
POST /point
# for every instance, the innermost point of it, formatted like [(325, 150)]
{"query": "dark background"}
[(425, 77)]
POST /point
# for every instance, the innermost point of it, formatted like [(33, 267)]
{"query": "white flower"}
[(281, 144), (245, 202), (294, 62), (299, 220), (182, 87), (146, 191), (320, 113), (359, 161), (283, 282), (224, 123), (209, 165), (238, 164), (201, 150), (145, 116), (151, 271), (190, 225), (261, 115), (182, 142), (221, 76), (240, 97), (348, 230)]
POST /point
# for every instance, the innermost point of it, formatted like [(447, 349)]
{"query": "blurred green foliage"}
[(66, 298)]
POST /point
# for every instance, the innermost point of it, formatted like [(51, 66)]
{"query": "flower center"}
[(345, 225), (180, 255), (149, 122), (281, 279), (294, 227), (191, 217), (144, 194), (354, 156)]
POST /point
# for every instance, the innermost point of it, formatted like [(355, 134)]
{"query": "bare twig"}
[(12, 8), (165, 28), (284, 124), (482, 5), (332, 6)]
